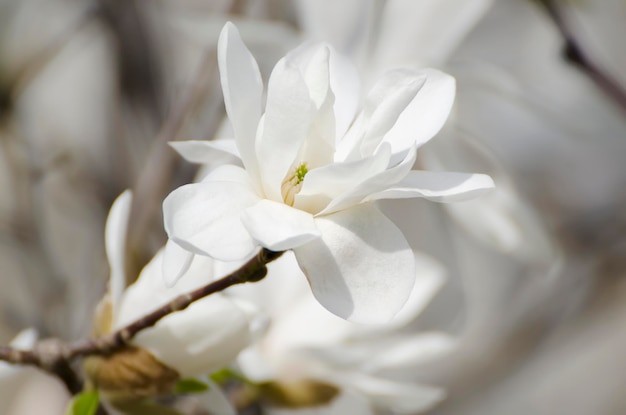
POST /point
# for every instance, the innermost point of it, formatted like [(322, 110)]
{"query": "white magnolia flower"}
[(203, 338), (312, 172), (372, 366)]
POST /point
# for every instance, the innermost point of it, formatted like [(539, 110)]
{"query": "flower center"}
[(292, 183)]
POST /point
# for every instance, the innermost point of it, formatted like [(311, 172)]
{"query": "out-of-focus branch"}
[(19, 78), (156, 178), (252, 271), (55, 356), (577, 55)]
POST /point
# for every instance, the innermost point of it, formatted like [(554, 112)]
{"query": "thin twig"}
[(577, 55), (252, 271), (56, 359)]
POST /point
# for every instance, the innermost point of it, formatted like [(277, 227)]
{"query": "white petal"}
[(430, 276), (437, 26), (204, 151), (426, 114), (405, 354), (346, 86), (386, 101), (229, 173), (362, 269), (207, 337), (319, 147), (24, 340), (286, 125), (204, 218), (400, 397), (279, 227), (438, 186), (324, 184), (115, 244), (150, 283), (317, 75), (314, 62), (243, 90), (384, 104), (202, 338), (214, 400), (374, 184), (176, 261), (344, 81)]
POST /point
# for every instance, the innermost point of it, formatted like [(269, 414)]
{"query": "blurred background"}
[(91, 91)]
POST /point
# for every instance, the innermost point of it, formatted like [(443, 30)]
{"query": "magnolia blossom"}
[(313, 172), (203, 338), (372, 366)]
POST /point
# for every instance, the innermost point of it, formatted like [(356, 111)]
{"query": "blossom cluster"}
[(302, 216)]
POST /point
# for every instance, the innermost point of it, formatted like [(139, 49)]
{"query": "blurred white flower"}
[(24, 340), (203, 338), (372, 367), (312, 170), (13, 378)]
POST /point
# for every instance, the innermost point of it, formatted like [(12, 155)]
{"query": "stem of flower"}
[(55, 356)]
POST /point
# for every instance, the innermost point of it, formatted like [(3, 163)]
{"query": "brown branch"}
[(56, 357), (253, 270), (577, 55), (46, 355)]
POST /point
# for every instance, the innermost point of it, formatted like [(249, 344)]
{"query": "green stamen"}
[(301, 171)]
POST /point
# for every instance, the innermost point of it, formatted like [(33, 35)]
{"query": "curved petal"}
[(243, 90), (397, 396), (205, 151), (204, 218), (437, 186), (286, 124), (317, 75), (362, 268), (214, 400), (176, 261), (326, 183), (430, 276), (319, 147), (437, 26), (386, 101), (426, 114), (384, 104), (203, 338), (115, 244), (24, 340), (346, 86), (229, 173), (374, 184), (197, 340), (344, 79), (409, 352), (279, 227)]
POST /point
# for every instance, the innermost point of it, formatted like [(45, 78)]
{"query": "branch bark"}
[(56, 357)]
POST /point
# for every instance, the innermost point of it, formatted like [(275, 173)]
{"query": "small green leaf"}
[(226, 375), (190, 386), (85, 403)]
